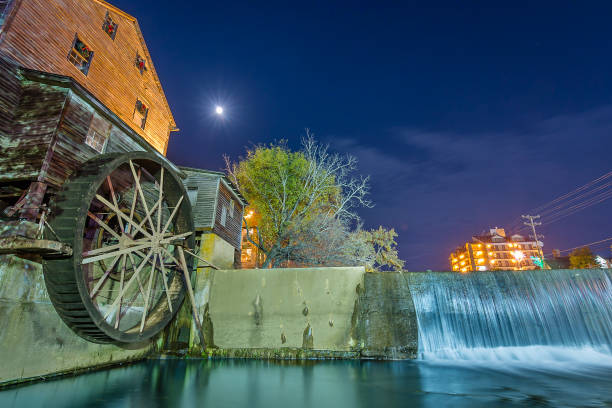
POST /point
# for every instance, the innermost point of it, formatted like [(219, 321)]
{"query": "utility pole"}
[(531, 223)]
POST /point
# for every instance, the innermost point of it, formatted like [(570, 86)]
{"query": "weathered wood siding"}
[(70, 149), (34, 123), (44, 124), (204, 207), (39, 35), (232, 230)]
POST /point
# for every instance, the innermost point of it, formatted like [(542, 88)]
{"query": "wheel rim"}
[(133, 278)]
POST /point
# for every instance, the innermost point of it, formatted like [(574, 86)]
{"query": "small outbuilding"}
[(218, 208)]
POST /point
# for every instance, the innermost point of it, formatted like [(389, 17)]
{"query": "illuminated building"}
[(495, 251)]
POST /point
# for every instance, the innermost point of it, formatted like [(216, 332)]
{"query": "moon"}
[(219, 110)]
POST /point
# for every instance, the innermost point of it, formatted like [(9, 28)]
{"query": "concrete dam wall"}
[(34, 341), (300, 313), (271, 313)]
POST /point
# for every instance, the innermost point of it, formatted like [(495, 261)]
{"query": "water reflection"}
[(236, 383)]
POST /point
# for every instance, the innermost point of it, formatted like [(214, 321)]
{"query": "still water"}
[(252, 383)]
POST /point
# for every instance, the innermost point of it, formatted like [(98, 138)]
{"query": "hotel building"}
[(495, 251)]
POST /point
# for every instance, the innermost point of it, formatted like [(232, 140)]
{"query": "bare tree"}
[(304, 198)]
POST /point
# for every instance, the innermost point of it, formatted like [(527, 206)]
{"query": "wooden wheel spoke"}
[(175, 237), (111, 248), (132, 208), (178, 204), (118, 314), (141, 194), (161, 263), (172, 257), (140, 287), (116, 253), (112, 191), (161, 195), (158, 203), (103, 224), (128, 285), (148, 295), (121, 214), (103, 278)]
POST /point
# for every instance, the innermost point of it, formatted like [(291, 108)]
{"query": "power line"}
[(585, 245), (575, 208), (540, 208), (543, 208), (578, 197)]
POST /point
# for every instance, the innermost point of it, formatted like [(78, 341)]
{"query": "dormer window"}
[(141, 64), (141, 112), (109, 26), (80, 55)]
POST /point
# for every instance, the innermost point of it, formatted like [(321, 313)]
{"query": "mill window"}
[(109, 26), (98, 133), (231, 208), (192, 193), (141, 112), (223, 215), (141, 64), (80, 55)]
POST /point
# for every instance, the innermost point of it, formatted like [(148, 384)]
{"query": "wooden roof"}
[(207, 184)]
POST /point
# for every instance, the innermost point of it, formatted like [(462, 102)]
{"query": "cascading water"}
[(549, 316)]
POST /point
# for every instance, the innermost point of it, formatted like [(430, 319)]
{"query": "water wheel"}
[(124, 216)]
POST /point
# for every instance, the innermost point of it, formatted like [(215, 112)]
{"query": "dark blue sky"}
[(465, 117)]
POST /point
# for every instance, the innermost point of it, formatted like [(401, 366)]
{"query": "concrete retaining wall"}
[(34, 342), (300, 313)]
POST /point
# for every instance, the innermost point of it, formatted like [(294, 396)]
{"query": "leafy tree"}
[(306, 201), (582, 258), (382, 243)]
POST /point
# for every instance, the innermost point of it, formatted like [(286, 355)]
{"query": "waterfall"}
[(517, 315)]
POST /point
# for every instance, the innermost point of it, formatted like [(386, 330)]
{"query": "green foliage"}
[(382, 242), (582, 258), (294, 194)]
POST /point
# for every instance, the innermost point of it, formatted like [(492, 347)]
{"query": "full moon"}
[(219, 110)]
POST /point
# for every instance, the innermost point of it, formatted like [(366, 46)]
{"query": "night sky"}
[(465, 117)]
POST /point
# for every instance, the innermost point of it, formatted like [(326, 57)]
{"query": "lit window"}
[(461, 256), (480, 260), (462, 263), (478, 253), (141, 63), (141, 112), (454, 260), (80, 55), (488, 245), (109, 26)]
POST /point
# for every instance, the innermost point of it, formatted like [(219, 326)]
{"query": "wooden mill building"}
[(76, 80)]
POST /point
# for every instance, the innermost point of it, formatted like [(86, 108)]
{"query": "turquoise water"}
[(337, 384), (503, 339)]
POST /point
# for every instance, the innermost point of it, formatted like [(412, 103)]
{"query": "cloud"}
[(439, 188)]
